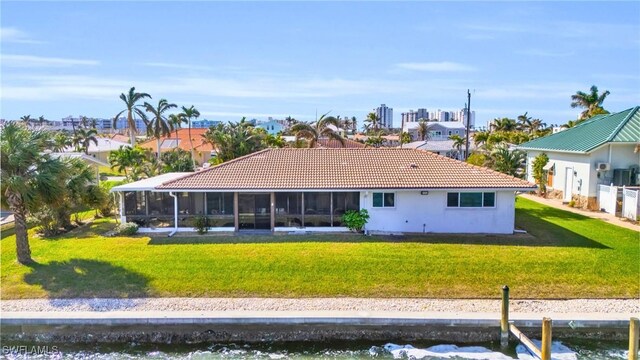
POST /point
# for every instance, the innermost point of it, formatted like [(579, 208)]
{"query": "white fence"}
[(607, 198), (630, 204)]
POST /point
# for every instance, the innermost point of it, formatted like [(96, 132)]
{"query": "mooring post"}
[(504, 320), (634, 338), (545, 347)]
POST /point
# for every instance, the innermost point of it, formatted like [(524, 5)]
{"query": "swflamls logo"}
[(30, 350)]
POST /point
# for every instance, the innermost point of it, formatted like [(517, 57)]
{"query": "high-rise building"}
[(463, 118), (385, 116)]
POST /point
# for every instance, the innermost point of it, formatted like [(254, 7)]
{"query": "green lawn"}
[(565, 255)]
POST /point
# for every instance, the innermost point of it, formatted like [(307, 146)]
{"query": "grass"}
[(565, 255)]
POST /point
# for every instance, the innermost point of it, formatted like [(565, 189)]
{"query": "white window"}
[(471, 199), (387, 199)]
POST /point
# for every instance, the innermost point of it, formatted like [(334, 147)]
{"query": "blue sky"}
[(234, 59)]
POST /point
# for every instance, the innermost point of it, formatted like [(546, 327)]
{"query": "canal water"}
[(574, 349)]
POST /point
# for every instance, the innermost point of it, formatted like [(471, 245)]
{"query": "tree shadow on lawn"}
[(541, 233), (84, 278)]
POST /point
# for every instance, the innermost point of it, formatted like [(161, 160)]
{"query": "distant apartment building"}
[(385, 116), (273, 126), (438, 115), (204, 123)]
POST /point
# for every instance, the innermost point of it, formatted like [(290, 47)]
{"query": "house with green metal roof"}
[(603, 150)]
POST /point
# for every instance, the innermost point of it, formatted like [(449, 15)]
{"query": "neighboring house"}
[(602, 150), (202, 149), (102, 150), (204, 123), (273, 127), (404, 191), (437, 130), (88, 159), (441, 147)]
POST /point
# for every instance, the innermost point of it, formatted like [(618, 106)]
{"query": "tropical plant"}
[(132, 109), (177, 160), (201, 224), (538, 164), (458, 143), (233, 140), (480, 138), (355, 220), (510, 162), (376, 140), (126, 229), (26, 120), (61, 141), (29, 178), (373, 121), (504, 124), (41, 120), (591, 102), (405, 138), (159, 126), (126, 158), (477, 158), (189, 113), (83, 138), (319, 129), (423, 130)]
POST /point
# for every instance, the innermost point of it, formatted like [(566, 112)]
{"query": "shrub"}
[(126, 229), (355, 220), (201, 224), (539, 174), (572, 203)]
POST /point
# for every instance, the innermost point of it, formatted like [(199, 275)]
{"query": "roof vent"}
[(413, 165)]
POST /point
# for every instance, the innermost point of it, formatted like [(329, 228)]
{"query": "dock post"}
[(504, 320), (634, 336), (545, 347)]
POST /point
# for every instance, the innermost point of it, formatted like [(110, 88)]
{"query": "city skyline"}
[(276, 59)]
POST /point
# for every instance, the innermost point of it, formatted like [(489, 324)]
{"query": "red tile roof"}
[(366, 168), (183, 135), (335, 144)]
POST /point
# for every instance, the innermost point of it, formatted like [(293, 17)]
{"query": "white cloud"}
[(13, 35), (176, 66), (30, 61), (444, 66)]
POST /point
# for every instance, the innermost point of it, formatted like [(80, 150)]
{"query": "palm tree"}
[(591, 102), (189, 113), (84, 138), (26, 119), (480, 137), (41, 120), (159, 126), (61, 141), (423, 130), (319, 129), (132, 109), (458, 142), (508, 162), (504, 124), (373, 121), (354, 125), (126, 158), (524, 122), (175, 120), (29, 178)]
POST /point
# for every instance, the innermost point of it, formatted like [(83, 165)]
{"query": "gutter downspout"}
[(175, 214)]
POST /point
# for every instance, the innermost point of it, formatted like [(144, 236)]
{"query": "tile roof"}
[(183, 141), (335, 144), (365, 168), (622, 127)]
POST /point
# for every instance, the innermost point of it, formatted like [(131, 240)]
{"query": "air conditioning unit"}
[(603, 166)]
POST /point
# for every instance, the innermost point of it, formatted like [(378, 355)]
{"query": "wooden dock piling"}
[(545, 347), (504, 320), (634, 338)]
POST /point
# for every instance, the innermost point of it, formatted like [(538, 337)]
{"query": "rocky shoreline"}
[(602, 306)]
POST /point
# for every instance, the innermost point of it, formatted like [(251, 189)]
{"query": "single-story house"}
[(603, 150), (203, 150), (102, 149), (404, 191)]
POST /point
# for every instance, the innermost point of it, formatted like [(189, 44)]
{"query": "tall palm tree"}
[(159, 126), (354, 125), (480, 137), (28, 177), (591, 102), (524, 122), (423, 130), (504, 124), (373, 120), (188, 113), (175, 120), (61, 141), (319, 129), (41, 120), (132, 109)]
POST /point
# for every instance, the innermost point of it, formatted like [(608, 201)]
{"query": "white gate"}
[(607, 197), (630, 204)]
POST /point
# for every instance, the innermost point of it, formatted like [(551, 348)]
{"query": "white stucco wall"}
[(414, 212), (586, 178)]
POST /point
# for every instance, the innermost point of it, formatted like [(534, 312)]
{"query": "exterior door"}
[(254, 211), (568, 185)]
